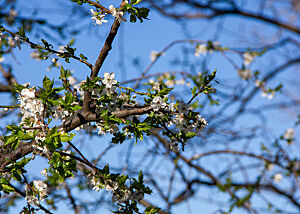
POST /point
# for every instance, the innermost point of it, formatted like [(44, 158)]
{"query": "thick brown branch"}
[(77, 120)]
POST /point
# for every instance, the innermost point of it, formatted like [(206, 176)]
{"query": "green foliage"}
[(152, 210)]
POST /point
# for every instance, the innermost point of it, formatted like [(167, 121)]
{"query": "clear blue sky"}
[(136, 41)]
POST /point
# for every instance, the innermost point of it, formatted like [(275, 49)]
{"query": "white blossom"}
[(248, 58), (40, 185), (158, 103), (32, 200), (180, 82), (170, 83), (278, 177), (39, 149), (28, 93), (13, 13), (31, 108), (109, 80), (111, 185), (289, 134), (259, 83), (1, 36), (154, 55), (245, 74), (173, 145), (13, 42), (97, 17), (270, 166), (94, 182), (44, 172), (200, 49), (116, 14), (36, 55), (40, 137), (269, 95), (2, 59), (67, 156)]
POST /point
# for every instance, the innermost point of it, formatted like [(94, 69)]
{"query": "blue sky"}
[(136, 41)]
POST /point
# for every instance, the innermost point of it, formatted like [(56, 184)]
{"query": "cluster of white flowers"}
[(109, 89), (118, 194), (154, 55), (109, 80), (42, 150), (36, 193), (13, 13), (60, 113), (44, 172), (31, 108), (248, 58), (98, 17), (2, 36), (116, 14), (289, 134), (94, 182), (36, 55), (201, 49), (204, 49), (102, 129), (245, 74), (125, 195), (173, 145), (158, 103), (168, 80), (186, 124), (277, 177), (265, 92), (15, 42)]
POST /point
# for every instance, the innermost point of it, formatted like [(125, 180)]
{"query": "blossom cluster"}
[(248, 58), (265, 92), (36, 192), (107, 99), (185, 123), (32, 109), (167, 80), (289, 135), (120, 194), (245, 73), (99, 17), (206, 48)]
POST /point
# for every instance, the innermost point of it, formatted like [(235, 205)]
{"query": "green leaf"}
[(21, 32), (13, 127), (65, 137), (152, 210), (141, 177), (75, 108), (122, 179), (165, 91), (16, 175), (7, 188), (191, 134), (47, 84), (104, 114), (63, 73), (10, 139), (106, 169), (194, 90), (132, 18)]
